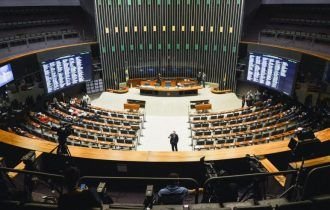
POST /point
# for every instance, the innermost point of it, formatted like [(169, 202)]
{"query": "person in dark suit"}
[(174, 139), (243, 101), (159, 79)]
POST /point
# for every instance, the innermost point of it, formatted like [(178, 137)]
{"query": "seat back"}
[(317, 182)]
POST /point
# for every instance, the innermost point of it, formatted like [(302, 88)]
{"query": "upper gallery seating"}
[(31, 25), (303, 26)]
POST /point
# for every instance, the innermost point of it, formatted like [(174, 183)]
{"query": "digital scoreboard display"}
[(67, 70), (6, 74), (272, 71)]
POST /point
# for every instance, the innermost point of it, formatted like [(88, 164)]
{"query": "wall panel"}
[(172, 37)]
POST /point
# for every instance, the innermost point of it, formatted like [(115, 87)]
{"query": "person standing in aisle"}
[(203, 79), (174, 139), (243, 101)]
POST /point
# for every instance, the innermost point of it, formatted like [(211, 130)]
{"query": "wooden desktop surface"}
[(152, 156), (169, 89)]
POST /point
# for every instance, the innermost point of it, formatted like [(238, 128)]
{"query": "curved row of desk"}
[(152, 156)]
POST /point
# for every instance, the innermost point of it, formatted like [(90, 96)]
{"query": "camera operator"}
[(63, 132)]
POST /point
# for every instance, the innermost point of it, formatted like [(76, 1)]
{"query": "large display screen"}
[(272, 71), (68, 70), (6, 75)]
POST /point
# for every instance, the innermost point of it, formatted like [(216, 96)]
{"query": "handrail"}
[(254, 175), (37, 173), (191, 180)]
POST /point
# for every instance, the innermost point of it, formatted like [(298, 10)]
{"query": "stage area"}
[(165, 114)]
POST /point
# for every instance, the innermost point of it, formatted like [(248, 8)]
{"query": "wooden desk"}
[(194, 103), (203, 107), (169, 91), (272, 169), (136, 82), (132, 107), (150, 156), (325, 160), (134, 101)]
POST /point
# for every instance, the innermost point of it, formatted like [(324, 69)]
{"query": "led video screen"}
[(68, 70), (272, 71)]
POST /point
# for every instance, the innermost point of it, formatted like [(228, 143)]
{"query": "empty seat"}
[(248, 138), (109, 139), (105, 129), (236, 130), (232, 122), (204, 118), (196, 118), (101, 138), (82, 135), (225, 131), (121, 141), (217, 132), (216, 124), (124, 132), (132, 132), (200, 133), (264, 135), (207, 133), (90, 127), (243, 129), (205, 125), (230, 115), (114, 131), (198, 125), (259, 126), (220, 116)]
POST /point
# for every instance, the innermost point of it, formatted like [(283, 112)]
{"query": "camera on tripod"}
[(63, 132)]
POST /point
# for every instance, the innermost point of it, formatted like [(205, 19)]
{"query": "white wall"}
[(13, 3)]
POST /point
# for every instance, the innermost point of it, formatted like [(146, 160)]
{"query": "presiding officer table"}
[(169, 91)]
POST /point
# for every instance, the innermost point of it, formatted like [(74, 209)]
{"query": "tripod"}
[(62, 149), (296, 188)]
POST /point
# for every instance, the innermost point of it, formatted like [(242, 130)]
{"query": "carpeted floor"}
[(165, 114)]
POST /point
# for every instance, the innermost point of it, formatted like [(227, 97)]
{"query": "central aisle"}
[(165, 114)]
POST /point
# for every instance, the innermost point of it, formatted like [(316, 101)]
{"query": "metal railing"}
[(106, 178)]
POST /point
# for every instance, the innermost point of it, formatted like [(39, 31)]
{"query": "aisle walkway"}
[(165, 114)]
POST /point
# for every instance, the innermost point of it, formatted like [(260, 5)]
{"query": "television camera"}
[(63, 132)]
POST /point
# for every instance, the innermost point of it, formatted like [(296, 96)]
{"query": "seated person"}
[(173, 193), (76, 198)]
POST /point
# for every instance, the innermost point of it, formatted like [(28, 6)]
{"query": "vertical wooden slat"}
[(218, 65)]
